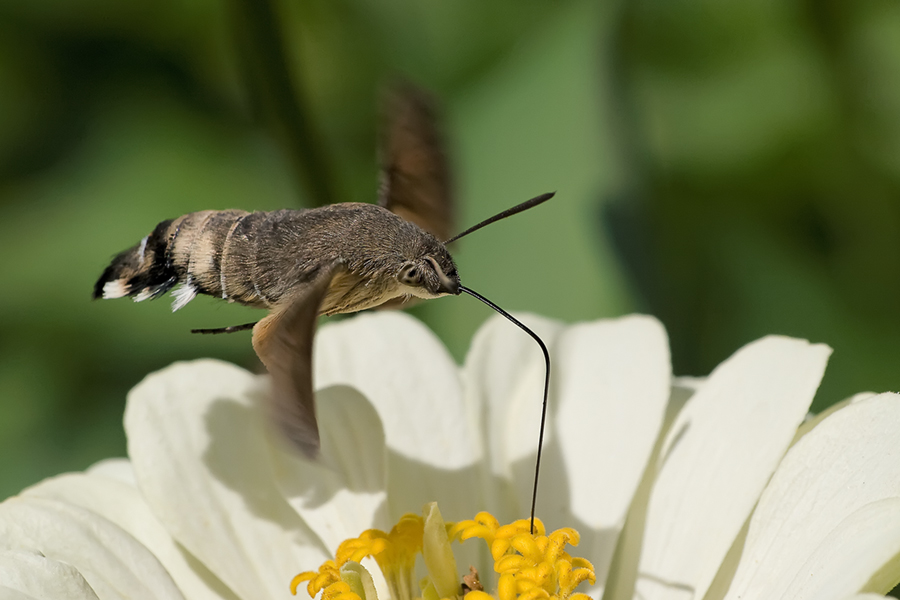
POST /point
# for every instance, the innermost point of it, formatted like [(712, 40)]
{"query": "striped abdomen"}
[(207, 252)]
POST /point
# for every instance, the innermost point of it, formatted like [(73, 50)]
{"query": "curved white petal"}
[(113, 563), (118, 469), (716, 459), (29, 574), (407, 374), (202, 460), (612, 388), (122, 504), (504, 381), (850, 554), (341, 494), (840, 484), (7, 593)]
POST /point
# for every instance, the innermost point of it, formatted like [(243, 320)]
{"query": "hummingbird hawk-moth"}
[(300, 264)]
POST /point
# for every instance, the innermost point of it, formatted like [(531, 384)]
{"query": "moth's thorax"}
[(376, 250)]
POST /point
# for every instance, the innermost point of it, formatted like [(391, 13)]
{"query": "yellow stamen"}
[(532, 566), (327, 578)]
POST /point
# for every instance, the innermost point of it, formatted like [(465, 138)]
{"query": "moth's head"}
[(431, 274)]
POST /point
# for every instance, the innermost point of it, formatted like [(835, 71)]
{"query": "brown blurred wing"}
[(284, 341), (415, 178)]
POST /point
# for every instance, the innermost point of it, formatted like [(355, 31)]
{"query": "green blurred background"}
[(732, 168)]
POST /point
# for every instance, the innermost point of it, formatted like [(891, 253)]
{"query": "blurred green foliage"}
[(730, 167)]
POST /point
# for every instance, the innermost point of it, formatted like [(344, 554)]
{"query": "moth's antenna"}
[(506, 213), (462, 288)]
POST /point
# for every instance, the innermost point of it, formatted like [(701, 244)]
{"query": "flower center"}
[(531, 566)]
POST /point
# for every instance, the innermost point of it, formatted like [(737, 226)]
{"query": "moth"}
[(300, 264)]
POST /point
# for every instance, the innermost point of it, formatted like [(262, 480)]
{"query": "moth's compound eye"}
[(411, 276)]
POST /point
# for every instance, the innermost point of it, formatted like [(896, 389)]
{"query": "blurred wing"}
[(284, 341), (415, 178)]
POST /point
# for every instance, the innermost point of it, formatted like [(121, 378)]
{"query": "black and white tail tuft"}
[(143, 272)]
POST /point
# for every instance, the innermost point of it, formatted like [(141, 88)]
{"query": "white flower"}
[(701, 489)]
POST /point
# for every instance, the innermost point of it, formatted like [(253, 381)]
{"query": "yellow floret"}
[(532, 566)]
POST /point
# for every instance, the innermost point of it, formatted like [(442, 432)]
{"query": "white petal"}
[(612, 389), (118, 469), (620, 580), (851, 553), (122, 504), (111, 561), (202, 460), (32, 575), (829, 519), (716, 459), (11, 594), (343, 493), (504, 382), (407, 374)]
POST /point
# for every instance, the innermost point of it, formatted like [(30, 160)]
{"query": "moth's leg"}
[(231, 329)]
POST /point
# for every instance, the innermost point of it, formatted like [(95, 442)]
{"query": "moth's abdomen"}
[(208, 252)]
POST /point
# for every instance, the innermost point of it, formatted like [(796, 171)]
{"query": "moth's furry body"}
[(265, 259), (300, 264), (304, 263)]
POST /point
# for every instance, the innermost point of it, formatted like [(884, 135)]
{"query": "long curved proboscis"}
[(540, 342)]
